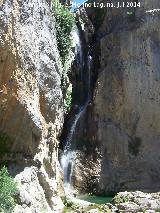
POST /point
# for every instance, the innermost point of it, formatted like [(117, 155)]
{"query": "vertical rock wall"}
[(31, 107), (122, 125)]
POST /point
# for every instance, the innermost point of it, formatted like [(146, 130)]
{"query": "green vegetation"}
[(68, 98), (69, 205), (8, 189), (119, 199), (64, 24)]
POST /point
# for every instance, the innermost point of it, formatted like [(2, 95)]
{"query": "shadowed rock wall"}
[(123, 122)]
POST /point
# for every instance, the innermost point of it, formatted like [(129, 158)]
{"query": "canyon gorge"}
[(107, 139)]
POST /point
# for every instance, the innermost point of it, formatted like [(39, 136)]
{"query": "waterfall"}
[(73, 126), (69, 155), (89, 64), (78, 50)]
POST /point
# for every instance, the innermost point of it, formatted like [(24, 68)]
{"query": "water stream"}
[(89, 65), (69, 155)]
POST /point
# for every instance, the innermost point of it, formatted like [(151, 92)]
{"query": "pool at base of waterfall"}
[(96, 199)]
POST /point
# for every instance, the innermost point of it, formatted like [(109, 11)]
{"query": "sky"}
[(79, 1)]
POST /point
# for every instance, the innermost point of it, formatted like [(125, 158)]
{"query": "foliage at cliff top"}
[(8, 189), (64, 24)]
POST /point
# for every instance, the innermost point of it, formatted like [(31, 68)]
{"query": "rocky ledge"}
[(127, 202), (137, 202)]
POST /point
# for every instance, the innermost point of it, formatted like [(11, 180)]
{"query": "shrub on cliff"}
[(64, 25), (68, 98), (8, 189)]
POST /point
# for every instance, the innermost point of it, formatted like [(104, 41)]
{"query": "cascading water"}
[(89, 64), (78, 50), (68, 156)]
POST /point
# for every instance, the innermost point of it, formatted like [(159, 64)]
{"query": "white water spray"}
[(69, 156), (78, 50), (89, 75)]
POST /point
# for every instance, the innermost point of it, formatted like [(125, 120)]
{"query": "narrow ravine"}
[(83, 66), (79, 107)]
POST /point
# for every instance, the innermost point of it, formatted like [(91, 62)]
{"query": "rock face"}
[(137, 202), (31, 107), (123, 121)]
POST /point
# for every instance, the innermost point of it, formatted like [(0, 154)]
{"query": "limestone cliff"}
[(31, 106), (121, 133)]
